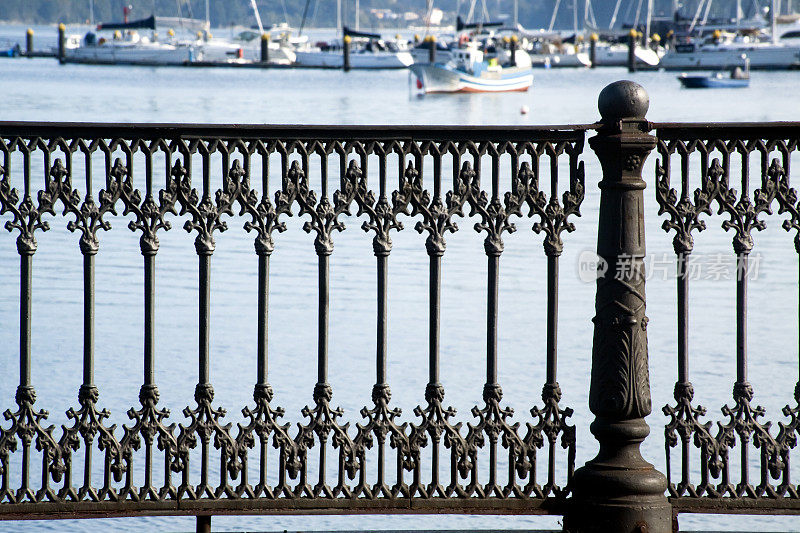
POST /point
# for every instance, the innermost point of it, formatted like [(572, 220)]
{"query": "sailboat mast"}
[(338, 17), (773, 15), (358, 12), (575, 16), (516, 14), (208, 19), (647, 22), (553, 18)]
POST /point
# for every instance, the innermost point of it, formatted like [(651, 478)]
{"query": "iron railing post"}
[(618, 491)]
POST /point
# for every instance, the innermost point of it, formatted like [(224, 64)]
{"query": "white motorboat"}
[(721, 53)]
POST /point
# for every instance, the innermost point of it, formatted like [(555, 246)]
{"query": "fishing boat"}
[(470, 71)]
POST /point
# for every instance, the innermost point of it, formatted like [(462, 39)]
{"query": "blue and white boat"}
[(714, 81), (468, 70), (738, 78)]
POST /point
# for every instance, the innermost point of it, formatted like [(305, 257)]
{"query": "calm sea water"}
[(42, 90)]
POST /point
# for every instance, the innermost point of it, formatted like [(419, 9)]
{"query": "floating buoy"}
[(419, 83), (524, 110)]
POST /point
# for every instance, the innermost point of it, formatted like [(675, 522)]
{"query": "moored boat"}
[(367, 51), (469, 71), (714, 81), (720, 52)]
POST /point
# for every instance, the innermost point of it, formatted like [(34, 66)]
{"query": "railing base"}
[(639, 516)]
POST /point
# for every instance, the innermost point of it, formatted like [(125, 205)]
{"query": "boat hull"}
[(706, 82), (358, 60), (131, 54), (441, 79), (760, 56)]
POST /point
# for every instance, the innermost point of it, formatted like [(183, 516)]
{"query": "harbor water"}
[(43, 90)]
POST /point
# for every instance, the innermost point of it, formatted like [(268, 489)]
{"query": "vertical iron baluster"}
[(437, 220), (787, 435), (381, 418), (25, 423), (744, 218), (205, 420), (553, 221), (684, 213), (149, 420), (88, 421), (322, 418)]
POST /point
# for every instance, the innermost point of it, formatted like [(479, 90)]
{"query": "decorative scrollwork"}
[(205, 422), (551, 422), (206, 215), (27, 217), (436, 215), (493, 422), (264, 215), (495, 214), (26, 425), (322, 423), (553, 216), (436, 423), (324, 215), (381, 422), (685, 214), (149, 215), (132, 453), (88, 215), (263, 423), (744, 212), (743, 421), (685, 423), (382, 216)]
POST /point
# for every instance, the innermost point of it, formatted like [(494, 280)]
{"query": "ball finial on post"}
[(623, 100)]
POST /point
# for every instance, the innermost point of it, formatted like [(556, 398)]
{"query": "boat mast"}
[(208, 19), (516, 13), (338, 17), (357, 13), (614, 15), (258, 17), (647, 22), (91, 12), (575, 16), (553, 18), (773, 15)]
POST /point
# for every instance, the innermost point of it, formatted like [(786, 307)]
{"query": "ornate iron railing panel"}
[(745, 426), (46, 190)]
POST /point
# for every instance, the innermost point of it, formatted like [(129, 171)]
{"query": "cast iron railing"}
[(616, 491), (426, 200)]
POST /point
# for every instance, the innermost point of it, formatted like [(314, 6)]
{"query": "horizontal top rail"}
[(667, 131), (297, 131)]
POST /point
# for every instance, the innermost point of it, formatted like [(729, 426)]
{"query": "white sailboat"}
[(127, 46), (367, 51), (370, 52), (722, 50)]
